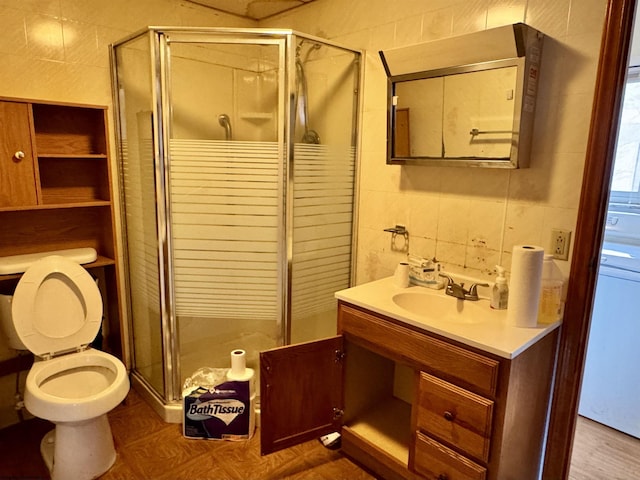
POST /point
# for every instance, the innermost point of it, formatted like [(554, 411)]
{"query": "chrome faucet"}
[(458, 291)]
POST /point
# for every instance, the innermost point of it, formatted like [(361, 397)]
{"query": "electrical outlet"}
[(560, 242)]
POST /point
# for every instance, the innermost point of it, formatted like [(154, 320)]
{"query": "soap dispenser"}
[(500, 291)]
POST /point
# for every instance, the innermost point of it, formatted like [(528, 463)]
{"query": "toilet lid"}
[(56, 306)]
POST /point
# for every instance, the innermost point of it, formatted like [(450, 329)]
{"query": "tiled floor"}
[(150, 449)]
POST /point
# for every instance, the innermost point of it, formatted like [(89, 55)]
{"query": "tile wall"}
[(467, 218)]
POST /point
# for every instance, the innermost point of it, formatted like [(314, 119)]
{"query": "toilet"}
[(56, 312)]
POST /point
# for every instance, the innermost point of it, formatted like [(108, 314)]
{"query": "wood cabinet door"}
[(17, 175), (301, 394)]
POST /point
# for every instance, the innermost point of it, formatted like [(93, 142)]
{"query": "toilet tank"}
[(6, 323)]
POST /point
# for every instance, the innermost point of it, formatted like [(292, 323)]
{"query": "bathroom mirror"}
[(464, 101)]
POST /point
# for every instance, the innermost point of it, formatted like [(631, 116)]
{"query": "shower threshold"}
[(170, 413)]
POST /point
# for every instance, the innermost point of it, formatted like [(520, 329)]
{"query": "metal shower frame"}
[(160, 39)]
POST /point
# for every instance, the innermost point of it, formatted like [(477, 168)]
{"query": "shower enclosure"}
[(237, 168)]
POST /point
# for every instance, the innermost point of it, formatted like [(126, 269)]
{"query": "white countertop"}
[(493, 334)]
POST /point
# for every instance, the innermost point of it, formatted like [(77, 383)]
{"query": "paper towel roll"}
[(524, 285)]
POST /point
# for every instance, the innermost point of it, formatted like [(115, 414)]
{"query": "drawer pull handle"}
[(450, 416), (443, 476)]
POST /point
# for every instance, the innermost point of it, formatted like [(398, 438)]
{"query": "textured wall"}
[(468, 218)]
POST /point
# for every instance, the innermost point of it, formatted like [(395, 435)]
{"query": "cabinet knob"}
[(443, 476), (450, 416), (19, 155)]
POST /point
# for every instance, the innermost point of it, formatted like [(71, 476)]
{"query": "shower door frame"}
[(173, 388), (160, 39)]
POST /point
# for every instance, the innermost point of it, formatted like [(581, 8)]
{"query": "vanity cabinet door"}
[(17, 172), (301, 393)]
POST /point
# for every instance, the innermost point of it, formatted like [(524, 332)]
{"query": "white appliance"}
[(611, 384)]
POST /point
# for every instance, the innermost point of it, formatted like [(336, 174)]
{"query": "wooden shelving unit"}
[(56, 190)]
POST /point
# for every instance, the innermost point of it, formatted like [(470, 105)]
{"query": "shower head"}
[(311, 136), (314, 46)]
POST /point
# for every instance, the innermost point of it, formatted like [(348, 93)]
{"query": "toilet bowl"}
[(57, 312)]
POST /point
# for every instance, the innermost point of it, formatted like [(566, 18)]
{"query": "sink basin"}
[(441, 308)]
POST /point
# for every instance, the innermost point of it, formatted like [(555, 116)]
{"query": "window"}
[(625, 184)]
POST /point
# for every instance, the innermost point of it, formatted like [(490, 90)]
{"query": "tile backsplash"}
[(467, 218)]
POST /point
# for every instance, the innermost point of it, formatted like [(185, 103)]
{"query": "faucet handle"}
[(473, 289), (448, 278)]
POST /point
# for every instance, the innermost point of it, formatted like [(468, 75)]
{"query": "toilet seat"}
[(71, 402), (56, 307)]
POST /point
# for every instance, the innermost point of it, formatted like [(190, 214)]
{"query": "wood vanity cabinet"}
[(410, 404), (55, 190)]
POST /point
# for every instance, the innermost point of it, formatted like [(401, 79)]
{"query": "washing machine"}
[(611, 384)]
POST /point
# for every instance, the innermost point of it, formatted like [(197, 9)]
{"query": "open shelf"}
[(386, 426), (86, 156), (65, 129), (56, 206), (99, 262), (257, 116), (41, 230), (374, 406), (72, 180)]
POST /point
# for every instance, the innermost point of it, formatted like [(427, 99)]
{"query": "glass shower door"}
[(322, 191), (138, 173), (226, 208)]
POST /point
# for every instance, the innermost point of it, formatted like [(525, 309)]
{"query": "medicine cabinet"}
[(464, 101)]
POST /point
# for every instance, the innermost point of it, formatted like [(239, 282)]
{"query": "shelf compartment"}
[(63, 129), (374, 405), (366, 452), (56, 206), (73, 180), (387, 426), (99, 262), (44, 230)]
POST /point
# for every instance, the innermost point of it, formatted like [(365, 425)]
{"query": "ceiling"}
[(255, 9)]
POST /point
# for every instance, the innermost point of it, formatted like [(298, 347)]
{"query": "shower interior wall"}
[(242, 82), (209, 80)]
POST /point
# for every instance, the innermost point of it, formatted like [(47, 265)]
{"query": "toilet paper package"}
[(218, 403)]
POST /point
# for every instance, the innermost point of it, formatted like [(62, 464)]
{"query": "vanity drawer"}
[(437, 462), (477, 371), (455, 416)]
